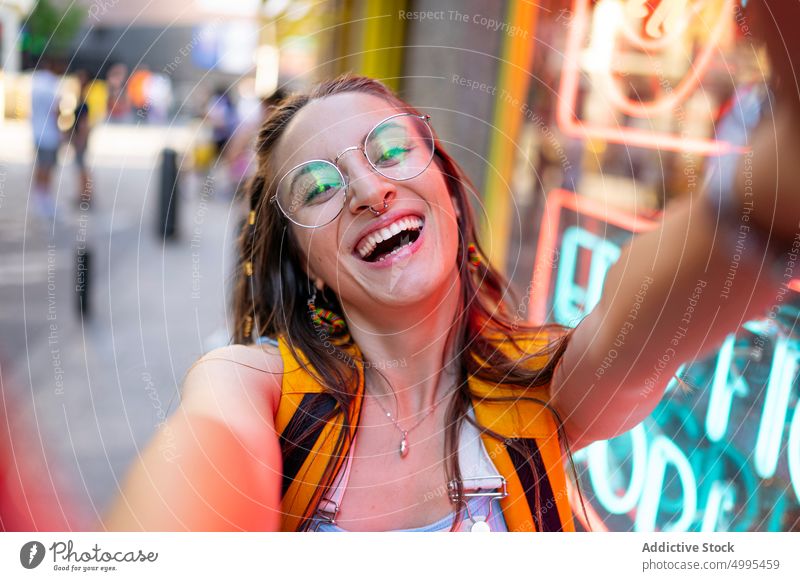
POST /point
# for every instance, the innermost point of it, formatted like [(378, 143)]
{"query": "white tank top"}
[(480, 478)]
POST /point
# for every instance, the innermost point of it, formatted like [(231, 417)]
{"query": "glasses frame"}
[(335, 163)]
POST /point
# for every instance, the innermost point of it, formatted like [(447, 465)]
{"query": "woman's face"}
[(348, 254)]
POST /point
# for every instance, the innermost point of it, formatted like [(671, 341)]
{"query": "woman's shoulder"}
[(264, 356), (235, 379), (222, 442)]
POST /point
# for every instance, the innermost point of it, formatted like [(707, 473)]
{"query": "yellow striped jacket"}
[(307, 474)]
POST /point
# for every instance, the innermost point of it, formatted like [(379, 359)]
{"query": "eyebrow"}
[(381, 127)]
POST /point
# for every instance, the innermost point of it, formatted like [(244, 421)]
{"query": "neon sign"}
[(575, 300), (597, 31), (560, 204), (723, 456)]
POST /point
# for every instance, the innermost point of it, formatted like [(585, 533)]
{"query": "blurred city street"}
[(96, 388)]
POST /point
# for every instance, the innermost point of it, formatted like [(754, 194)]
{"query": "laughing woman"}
[(380, 379)]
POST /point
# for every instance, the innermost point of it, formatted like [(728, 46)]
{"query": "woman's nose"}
[(367, 188)]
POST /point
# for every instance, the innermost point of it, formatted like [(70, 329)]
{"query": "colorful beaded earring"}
[(330, 322), (473, 256)]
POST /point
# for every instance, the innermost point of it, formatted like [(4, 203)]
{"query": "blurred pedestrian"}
[(119, 107), (222, 116), (159, 98), (46, 135), (139, 91), (79, 138)]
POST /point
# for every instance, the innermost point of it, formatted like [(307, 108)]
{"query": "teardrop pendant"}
[(404, 445)]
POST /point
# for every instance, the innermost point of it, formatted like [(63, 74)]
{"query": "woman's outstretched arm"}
[(216, 464), (661, 306), (676, 292)]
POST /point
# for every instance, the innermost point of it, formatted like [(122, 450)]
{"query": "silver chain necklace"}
[(404, 445)]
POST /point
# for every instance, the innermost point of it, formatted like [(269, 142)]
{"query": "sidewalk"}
[(96, 389)]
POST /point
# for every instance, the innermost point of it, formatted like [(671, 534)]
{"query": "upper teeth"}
[(368, 243)]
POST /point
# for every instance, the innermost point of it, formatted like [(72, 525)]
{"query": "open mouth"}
[(378, 245)]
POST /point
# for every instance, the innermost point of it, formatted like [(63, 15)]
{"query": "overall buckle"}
[(488, 486), (327, 511)]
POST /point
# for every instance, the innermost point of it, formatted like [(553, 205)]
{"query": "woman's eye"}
[(393, 154), (317, 191)]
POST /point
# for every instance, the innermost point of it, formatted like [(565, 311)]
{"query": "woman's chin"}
[(411, 286)]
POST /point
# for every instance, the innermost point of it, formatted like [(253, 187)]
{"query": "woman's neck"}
[(407, 352)]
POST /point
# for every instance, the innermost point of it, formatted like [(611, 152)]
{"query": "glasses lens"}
[(401, 147), (311, 194)]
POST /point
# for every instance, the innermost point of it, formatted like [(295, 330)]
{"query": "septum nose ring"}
[(381, 211)]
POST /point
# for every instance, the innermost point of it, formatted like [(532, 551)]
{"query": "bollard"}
[(82, 281), (168, 194)]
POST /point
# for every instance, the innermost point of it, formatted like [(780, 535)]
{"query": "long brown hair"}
[(271, 295)]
